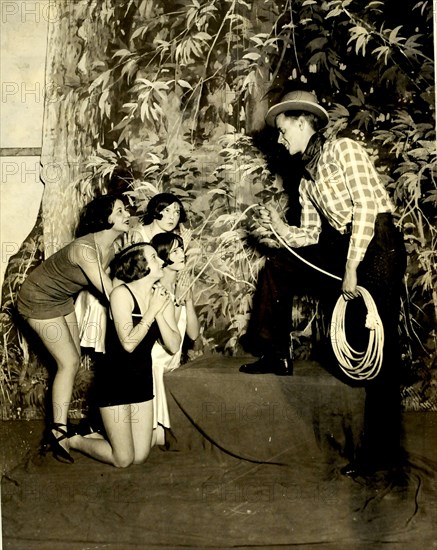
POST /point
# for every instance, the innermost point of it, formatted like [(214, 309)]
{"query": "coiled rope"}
[(358, 365)]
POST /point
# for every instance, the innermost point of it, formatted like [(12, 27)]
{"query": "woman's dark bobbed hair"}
[(157, 204), (130, 264), (163, 244), (94, 215)]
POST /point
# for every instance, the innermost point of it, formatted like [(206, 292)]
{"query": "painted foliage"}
[(158, 95)]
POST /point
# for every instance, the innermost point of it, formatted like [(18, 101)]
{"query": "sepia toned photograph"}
[(218, 274)]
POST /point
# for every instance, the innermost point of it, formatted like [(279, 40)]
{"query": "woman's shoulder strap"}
[(87, 241), (136, 309)]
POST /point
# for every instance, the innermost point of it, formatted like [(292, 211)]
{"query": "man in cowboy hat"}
[(346, 228)]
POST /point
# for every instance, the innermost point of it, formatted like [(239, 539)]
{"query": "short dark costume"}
[(124, 378), (50, 289)]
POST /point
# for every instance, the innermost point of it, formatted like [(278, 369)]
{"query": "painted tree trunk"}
[(77, 41)]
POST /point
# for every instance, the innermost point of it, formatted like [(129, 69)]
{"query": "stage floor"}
[(255, 463)]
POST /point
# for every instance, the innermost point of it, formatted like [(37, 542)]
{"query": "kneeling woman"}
[(141, 312)]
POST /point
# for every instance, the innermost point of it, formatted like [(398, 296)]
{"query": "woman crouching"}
[(141, 312)]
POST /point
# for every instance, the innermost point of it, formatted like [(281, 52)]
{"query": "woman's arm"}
[(184, 294), (170, 335), (122, 306), (86, 258), (193, 325)]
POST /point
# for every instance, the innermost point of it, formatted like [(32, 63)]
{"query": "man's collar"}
[(312, 154)]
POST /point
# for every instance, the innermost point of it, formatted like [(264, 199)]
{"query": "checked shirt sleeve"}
[(361, 180), (310, 223)]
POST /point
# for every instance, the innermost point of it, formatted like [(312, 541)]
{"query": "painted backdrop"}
[(153, 95)]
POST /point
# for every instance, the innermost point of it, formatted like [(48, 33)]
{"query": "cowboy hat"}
[(298, 100)]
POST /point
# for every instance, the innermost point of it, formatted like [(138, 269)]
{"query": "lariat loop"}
[(358, 365)]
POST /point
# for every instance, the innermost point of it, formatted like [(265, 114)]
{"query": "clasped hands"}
[(159, 299), (161, 296), (183, 291)]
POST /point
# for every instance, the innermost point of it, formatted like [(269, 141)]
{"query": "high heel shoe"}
[(59, 452)]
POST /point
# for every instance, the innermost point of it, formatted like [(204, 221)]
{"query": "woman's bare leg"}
[(142, 430), (62, 341), (119, 450), (129, 430)]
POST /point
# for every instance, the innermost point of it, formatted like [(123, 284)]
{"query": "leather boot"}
[(269, 364)]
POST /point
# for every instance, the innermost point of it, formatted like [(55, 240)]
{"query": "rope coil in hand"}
[(363, 365), (358, 365)]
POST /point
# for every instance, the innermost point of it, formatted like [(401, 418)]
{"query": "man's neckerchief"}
[(312, 154)]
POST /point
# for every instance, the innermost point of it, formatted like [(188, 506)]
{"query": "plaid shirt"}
[(346, 190)]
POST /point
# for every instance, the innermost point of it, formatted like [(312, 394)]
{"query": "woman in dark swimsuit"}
[(142, 312)]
